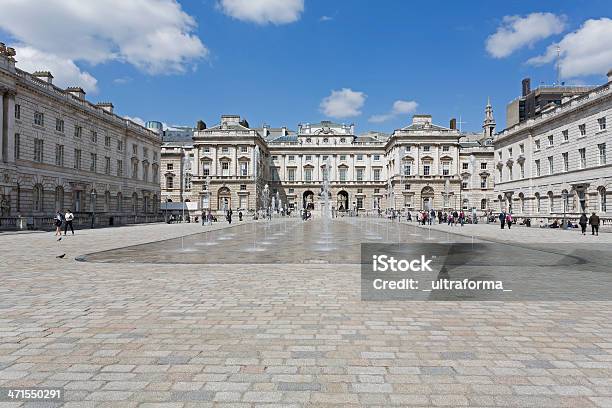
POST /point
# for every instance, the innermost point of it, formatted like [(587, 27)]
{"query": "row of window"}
[(38, 201), (582, 164), (601, 122), (39, 120), (78, 159), (225, 149)]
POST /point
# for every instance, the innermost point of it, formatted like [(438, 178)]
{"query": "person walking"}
[(58, 220), (68, 218), (229, 216), (432, 216), (583, 223), (509, 220), (462, 217), (502, 219), (594, 221)]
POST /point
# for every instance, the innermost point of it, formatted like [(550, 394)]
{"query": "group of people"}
[(505, 218), (593, 221), (451, 218), (64, 219)]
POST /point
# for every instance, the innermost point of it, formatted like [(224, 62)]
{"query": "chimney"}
[(610, 75), (284, 131), (76, 91), (107, 106), (453, 124), (44, 76), (526, 86), (265, 129)]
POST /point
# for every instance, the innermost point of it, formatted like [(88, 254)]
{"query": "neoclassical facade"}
[(420, 166), (60, 151), (558, 162)]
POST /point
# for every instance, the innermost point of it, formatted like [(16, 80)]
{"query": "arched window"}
[(37, 198), (107, 200), (551, 202), (155, 204), (483, 204), (134, 203), (565, 196), (59, 198), (119, 202), (169, 182), (466, 204)]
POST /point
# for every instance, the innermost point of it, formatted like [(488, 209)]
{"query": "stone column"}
[(3, 132), (10, 126)]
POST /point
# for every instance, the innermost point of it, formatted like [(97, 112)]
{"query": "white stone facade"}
[(558, 162), (60, 151), (417, 167)]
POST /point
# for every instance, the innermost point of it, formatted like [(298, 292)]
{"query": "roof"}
[(427, 126), (372, 136)]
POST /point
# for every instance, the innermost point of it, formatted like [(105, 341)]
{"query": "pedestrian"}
[(432, 216), (58, 220), (509, 220), (409, 216), (455, 217), (462, 217), (450, 219), (502, 219), (240, 215), (594, 221), (203, 218), (439, 216), (68, 217), (229, 216), (583, 223)]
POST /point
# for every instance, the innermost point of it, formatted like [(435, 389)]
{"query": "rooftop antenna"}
[(558, 65)]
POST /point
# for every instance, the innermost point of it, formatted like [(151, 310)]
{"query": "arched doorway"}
[(427, 195), (343, 201), (308, 200), (225, 199)]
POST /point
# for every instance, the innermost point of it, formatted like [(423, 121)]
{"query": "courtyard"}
[(131, 330)]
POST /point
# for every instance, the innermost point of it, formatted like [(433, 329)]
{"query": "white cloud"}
[(135, 119), (344, 103), (583, 52), (122, 80), (399, 108), (263, 11), (65, 71), (516, 32), (156, 36), (325, 18)]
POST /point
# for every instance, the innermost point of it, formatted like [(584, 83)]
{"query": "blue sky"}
[(278, 68)]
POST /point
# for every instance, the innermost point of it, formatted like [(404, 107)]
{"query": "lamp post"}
[(473, 172), (93, 208), (565, 195)]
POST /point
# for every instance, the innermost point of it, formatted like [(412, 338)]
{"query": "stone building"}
[(417, 167), (60, 151), (557, 162)]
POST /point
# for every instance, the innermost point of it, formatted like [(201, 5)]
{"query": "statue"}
[(5, 206)]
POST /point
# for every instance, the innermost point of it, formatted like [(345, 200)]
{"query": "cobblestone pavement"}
[(165, 335)]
